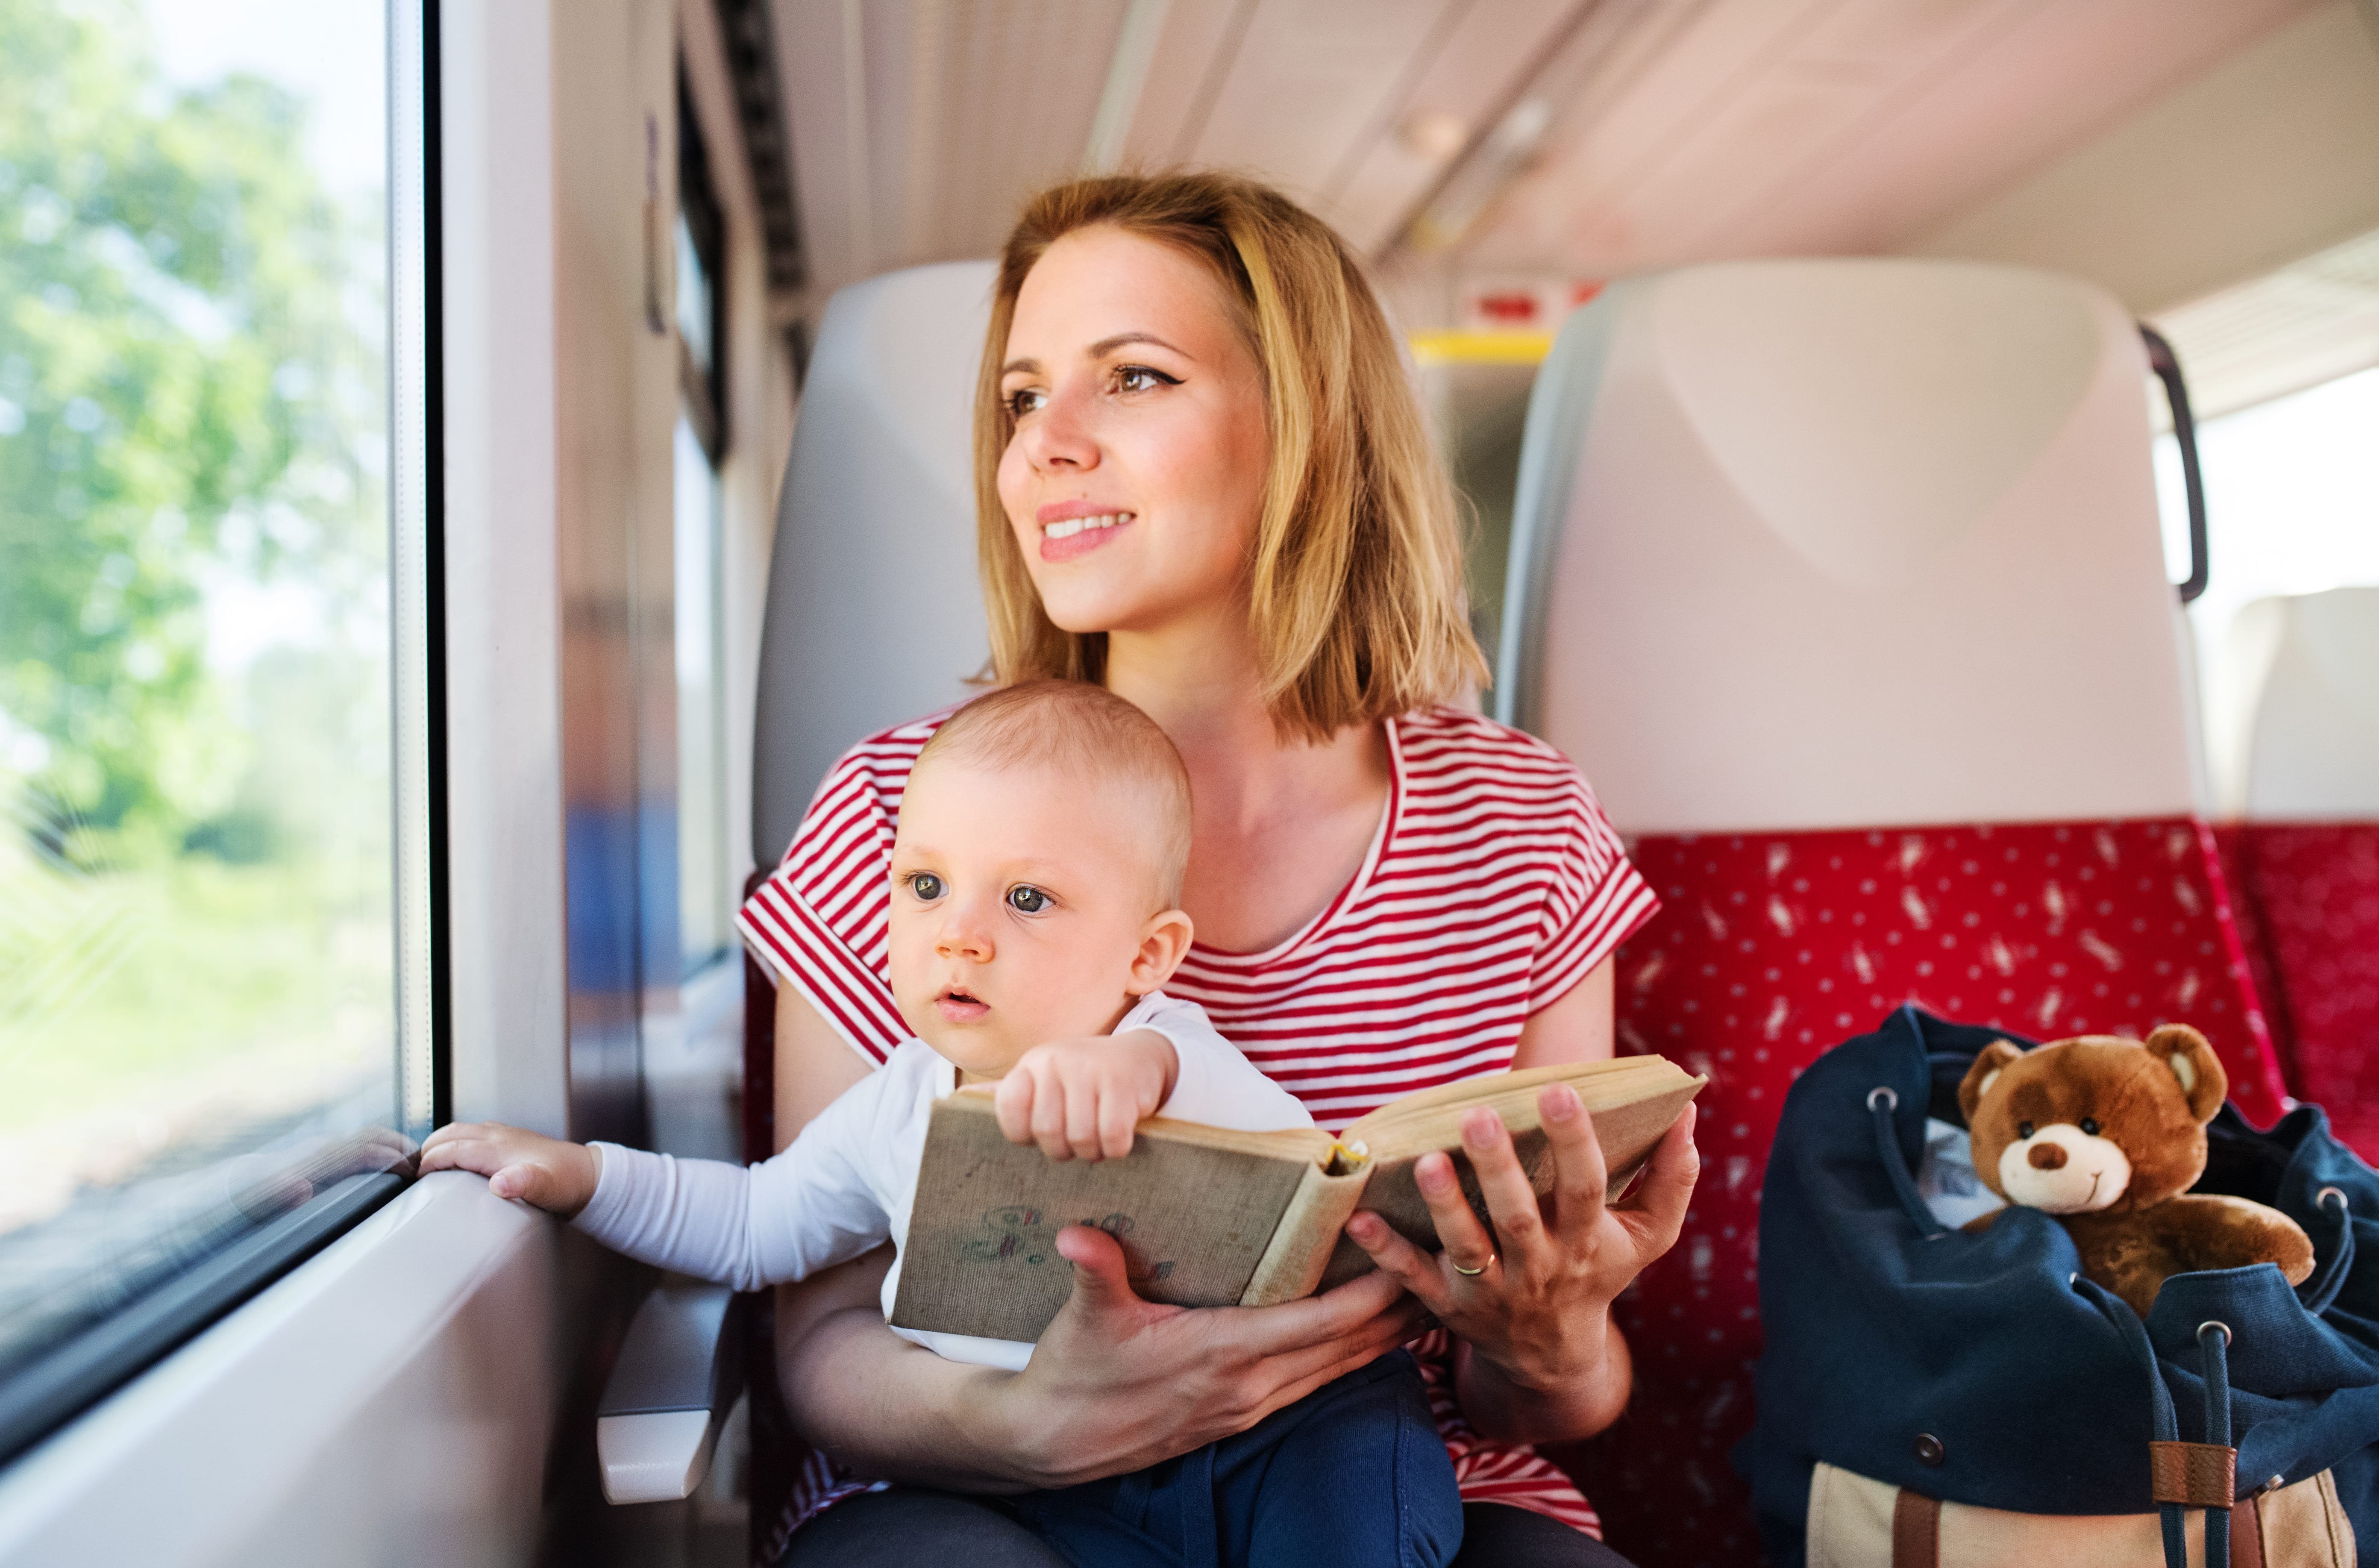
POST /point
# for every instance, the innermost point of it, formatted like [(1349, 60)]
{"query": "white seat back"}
[(2313, 751), (1847, 543), (874, 611)]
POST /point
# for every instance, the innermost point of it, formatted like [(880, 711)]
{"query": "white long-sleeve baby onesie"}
[(846, 1185)]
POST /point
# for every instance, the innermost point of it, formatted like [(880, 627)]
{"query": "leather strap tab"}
[(2247, 1533), (2195, 1475), (1915, 1530)]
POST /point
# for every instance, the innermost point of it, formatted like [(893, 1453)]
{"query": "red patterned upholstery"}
[(1770, 947), (2311, 892), (2255, 946)]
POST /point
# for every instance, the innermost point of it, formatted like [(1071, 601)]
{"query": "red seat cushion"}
[(2312, 890), (1770, 948)]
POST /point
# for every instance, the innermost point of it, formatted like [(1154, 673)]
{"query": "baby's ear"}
[(2193, 1063), (1988, 1068), (1164, 943)]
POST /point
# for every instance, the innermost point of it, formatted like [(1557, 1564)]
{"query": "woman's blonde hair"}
[(1356, 574)]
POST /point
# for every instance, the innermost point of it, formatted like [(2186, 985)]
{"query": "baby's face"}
[(1022, 901)]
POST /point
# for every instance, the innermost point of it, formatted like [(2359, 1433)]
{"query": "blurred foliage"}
[(189, 396), (135, 992), (194, 736)]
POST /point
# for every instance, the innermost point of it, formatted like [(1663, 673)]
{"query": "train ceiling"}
[(1589, 137)]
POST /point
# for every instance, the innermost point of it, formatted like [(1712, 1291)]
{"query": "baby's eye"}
[(1026, 401), (927, 886), (2023, 1130), (1027, 899), (2090, 1126)]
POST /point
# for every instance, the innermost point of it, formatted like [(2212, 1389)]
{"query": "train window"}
[(706, 898), (212, 690), (705, 893), (2283, 372), (2292, 507), (2291, 496), (700, 241)]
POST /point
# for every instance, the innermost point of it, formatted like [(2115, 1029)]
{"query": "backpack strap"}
[(1915, 1530)]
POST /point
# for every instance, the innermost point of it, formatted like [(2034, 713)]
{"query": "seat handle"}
[(2166, 366)]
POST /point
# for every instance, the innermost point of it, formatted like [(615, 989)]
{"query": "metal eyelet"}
[(1885, 1092), (2327, 1193), (2214, 1323)]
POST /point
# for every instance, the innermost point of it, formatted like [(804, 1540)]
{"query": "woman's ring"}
[(1474, 1273)]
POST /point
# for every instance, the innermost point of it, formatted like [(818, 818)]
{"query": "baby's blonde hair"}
[(1085, 730)]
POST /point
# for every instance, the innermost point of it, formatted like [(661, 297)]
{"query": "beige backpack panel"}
[(1852, 1523)]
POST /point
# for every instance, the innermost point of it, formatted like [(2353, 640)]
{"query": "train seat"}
[(1842, 582), (873, 616), (2306, 852)]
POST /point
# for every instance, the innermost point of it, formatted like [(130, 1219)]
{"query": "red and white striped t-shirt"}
[(1494, 884)]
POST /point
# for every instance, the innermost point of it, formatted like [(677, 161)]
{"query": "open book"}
[(1210, 1217)]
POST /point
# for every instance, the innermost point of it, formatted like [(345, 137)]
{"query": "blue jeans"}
[(1353, 1474)]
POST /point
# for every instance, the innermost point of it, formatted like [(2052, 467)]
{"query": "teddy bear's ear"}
[(1987, 1067), (2192, 1061)]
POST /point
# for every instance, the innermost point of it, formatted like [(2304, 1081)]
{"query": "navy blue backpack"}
[(1929, 1397)]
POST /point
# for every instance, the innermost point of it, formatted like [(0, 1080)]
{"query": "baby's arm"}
[(557, 1176), (811, 1206)]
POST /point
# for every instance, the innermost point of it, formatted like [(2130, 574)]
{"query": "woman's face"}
[(1135, 476)]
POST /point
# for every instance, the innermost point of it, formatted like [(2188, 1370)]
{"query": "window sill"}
[(399, 1386)]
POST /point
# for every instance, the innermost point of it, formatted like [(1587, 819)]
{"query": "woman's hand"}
[(1117, 1383), (1531, 1301)]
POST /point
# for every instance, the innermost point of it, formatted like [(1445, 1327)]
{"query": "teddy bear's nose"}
[(2046, 1157)]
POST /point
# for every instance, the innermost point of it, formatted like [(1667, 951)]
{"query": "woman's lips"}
[(1066, 538)]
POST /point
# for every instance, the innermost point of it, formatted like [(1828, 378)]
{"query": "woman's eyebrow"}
[(1098, 350), (1105, 346)]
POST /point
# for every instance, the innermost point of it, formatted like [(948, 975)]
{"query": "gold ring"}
[(1474, 1273)]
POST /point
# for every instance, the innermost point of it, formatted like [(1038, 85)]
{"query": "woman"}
[(1203, 481)]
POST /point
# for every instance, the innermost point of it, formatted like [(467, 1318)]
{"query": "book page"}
[(1432, 1118)]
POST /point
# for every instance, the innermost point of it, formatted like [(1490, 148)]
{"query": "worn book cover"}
[(1210, 1217)]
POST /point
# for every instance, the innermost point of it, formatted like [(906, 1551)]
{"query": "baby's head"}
[(1035, 872)]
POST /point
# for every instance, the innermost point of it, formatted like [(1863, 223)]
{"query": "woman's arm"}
[(1116, 1384), (1540, 1358), (1576, 1029)]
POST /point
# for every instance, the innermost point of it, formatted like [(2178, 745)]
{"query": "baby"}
[(1035, 870)]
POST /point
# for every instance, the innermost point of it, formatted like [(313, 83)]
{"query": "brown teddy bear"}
[(2108, 1135)]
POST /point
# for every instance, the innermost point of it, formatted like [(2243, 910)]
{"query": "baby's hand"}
[(557, 1176), (1080, 1098)]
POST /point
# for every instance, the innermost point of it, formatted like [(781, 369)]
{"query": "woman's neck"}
[(1279, 825), (1203, 686)]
